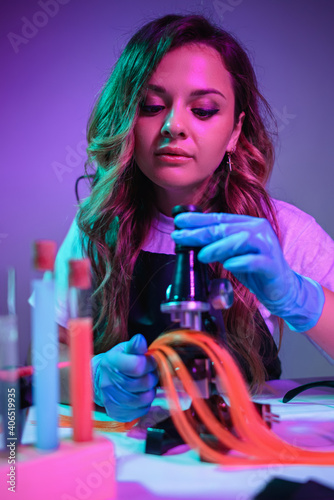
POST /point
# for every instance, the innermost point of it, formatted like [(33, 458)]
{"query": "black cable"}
[(77, 185), (297, 390)]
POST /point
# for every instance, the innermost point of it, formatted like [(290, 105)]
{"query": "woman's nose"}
[(174, 125)]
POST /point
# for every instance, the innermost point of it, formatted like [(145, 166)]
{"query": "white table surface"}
[(307, 421)]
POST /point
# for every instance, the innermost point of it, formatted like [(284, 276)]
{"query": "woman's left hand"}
[(249, 248)]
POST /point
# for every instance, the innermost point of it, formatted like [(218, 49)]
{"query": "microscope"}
[(190, 300), (196, 303)]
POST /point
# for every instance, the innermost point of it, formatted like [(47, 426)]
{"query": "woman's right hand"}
[(125, 380)]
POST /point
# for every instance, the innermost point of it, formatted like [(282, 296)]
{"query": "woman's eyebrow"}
[(161, 90)]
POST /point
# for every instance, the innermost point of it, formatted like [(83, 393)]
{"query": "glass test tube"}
[(80, 328), (45, 349)]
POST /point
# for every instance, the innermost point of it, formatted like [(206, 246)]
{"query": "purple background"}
[(49, 84)]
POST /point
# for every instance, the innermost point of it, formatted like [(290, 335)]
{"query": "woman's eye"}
[(155, 108), (204, 113), (151, 109)]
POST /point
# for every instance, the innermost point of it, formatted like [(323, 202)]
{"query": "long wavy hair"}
[(116, 218)]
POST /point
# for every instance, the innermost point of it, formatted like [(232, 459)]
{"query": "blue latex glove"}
[(248, 247), (124, 379)]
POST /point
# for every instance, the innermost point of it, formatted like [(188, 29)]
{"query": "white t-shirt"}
[(308, 249)]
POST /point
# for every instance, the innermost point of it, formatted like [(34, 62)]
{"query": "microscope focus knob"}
[(221, 294)]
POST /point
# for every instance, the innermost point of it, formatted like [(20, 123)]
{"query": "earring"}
[(229, 161)]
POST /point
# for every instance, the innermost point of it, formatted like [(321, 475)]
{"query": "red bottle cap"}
[(44, 255), (80, 274)]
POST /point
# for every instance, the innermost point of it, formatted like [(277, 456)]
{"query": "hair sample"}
[(116, 218)]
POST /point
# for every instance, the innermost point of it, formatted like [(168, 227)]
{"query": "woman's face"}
[(185, 123)]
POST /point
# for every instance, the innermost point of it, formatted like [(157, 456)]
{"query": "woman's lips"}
[(173, 159)]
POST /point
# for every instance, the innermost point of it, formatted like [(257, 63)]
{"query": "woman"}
[(180, 121)]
